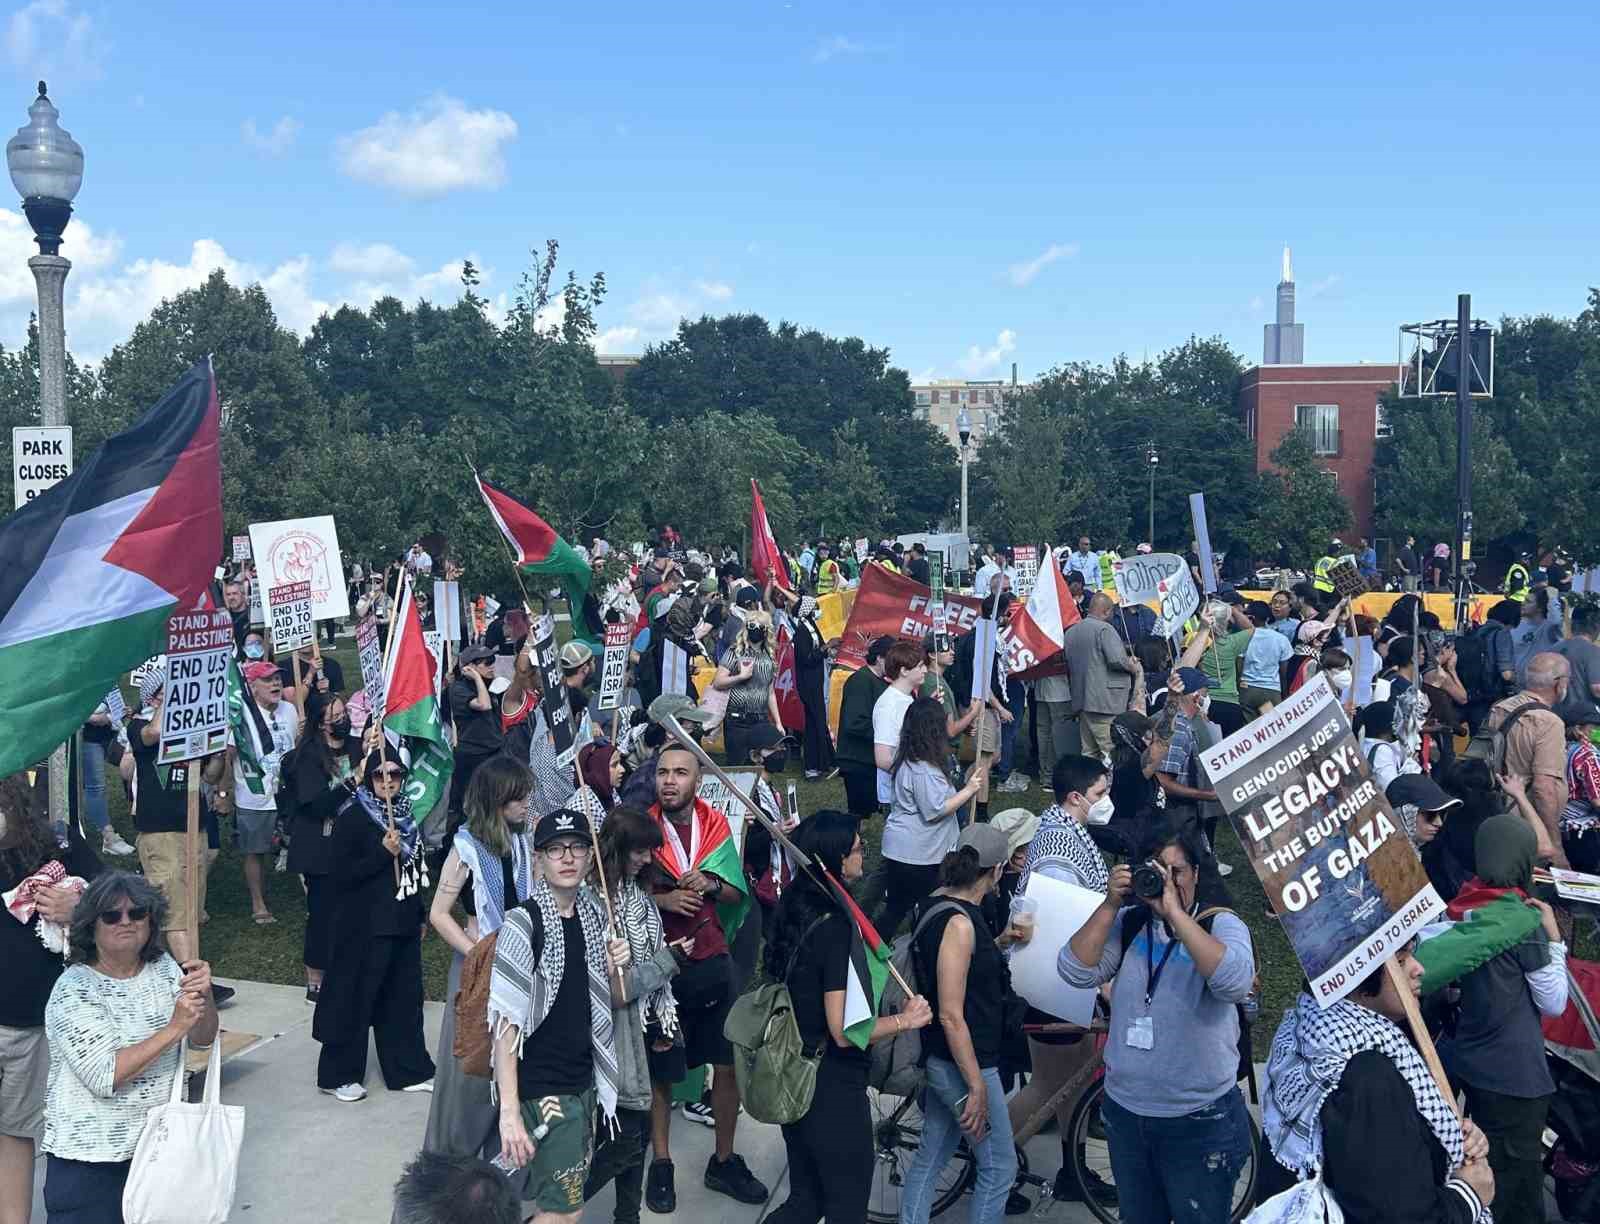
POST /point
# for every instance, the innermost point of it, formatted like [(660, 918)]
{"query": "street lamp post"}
[(964, 428), (46, 167), (1151, 461)]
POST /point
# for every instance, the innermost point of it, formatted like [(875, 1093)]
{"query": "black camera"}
[(1149, 881)]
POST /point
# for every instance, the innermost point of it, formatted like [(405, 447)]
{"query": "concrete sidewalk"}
[(309, 1157)]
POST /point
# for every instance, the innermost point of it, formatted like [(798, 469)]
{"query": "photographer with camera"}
[(1175, 1122)]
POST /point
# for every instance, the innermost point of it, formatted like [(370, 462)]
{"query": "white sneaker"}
[(698, 1111), (1014, 785), (111, 842), (347, 1093), (425, 1086), (1224, 869)]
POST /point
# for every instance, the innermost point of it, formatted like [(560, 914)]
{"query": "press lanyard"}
[(1152, 969)]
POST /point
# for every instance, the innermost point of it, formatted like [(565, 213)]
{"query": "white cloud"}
[(1326, 285), (48, 38), (440, 147), (980, 361), (1023, 273), (833, 48), (276, 140), (618, 340), (87, 249), (654, 315), (716, 291)]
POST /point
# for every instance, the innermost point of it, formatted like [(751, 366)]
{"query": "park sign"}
[(290, 606), (40, 456), (194, 711), (1334, 860), (614, 664)]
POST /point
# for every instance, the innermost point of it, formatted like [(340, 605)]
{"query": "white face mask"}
[(1341, 680), (1100, 811)]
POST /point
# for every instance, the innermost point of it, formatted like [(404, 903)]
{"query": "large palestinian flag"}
[(411, 707), (869, 968), (711, 850), (91, 569), (537, 549)]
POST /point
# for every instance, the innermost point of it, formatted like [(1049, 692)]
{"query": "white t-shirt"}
[(284, 724), (888, 713)]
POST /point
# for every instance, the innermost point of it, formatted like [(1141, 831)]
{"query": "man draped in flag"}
[(411, 707), (537, 549), (700, 887), (766, 559), (94, 566)]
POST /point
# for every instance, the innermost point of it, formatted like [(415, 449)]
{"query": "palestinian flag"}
[(1486, 920), (869, 968), (412, 707), (710, 850), (94, 566), (537, 549)]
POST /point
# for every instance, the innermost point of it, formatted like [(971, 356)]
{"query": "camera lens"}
[(1148, 882)]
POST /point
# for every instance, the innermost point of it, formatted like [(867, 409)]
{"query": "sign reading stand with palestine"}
[(241, 548), (614, 664), (194, 712), (1026, 559), (553, 701), (1333, 857), (292, 626)]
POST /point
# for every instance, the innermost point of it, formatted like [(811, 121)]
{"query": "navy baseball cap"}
[(1194, 679)]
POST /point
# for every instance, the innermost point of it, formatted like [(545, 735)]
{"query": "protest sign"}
[(1025, 557), (715, 792), (447, 609), (614, 664), (258, 614), (369, 650), (1347, 579), (936, 609), (861, 550), (194, 710), (674, 669), (241, 548), (290, 606), (1063, 908), (137, 675), (1138, 578), (983, 646), (434, 641), (1333, 858), (41, 455), (1178, 602), (901, 607), (1202, 540), (302, 550), (553, 701), (116, 707)]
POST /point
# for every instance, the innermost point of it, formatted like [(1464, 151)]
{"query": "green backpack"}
[(776, 1074)]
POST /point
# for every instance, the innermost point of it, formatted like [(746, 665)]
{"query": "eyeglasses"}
[(567, 850), (389, 775), (116, 917)]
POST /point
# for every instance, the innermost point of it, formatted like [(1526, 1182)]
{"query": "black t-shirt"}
[(986, 985), (162, 802), (330, 668), (823, 965), (508, 890), (557, 1058), (31, 968), (478, 732), (919, 570)]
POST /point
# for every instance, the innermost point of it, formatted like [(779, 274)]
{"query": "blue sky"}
[(969, 185)]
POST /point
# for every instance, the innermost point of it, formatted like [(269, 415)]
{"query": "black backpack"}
[(1475, 664)]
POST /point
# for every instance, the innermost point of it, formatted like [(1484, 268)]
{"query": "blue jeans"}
[(92, 761), (996, 1152), (1177, 1169), (1017, 702)]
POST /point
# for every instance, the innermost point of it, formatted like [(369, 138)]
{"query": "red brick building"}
[(1337, 405)]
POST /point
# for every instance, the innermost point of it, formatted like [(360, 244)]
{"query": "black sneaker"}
[(1069, 1189), (733, 1178), (221, 994), (660, 1195)]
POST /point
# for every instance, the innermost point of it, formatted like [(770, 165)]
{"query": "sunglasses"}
[(116, 917), (389, 775), (1432, 817)]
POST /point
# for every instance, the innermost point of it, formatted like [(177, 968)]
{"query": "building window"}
[(988, 397), (922, 397), (1250, 422), (1381, 426), (1321, 424)]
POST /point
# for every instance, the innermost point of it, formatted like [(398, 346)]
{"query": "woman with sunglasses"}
[(375, 978), (115, 1022)]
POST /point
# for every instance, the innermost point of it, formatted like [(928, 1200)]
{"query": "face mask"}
[(254, 650), (340, 728), (776, 762), (1341, 679), (1100, 811), (755, 633)]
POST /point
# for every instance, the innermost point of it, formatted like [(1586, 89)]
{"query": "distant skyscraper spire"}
[(1284, 341)]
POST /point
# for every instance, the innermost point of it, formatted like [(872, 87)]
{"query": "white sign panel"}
[(435, 643), (241, 548), (41, 455), (1063, 908), (1138, 578), (194, 713), (1179, 601), (369, 650), (292, 626), (302, 550), (614, 664), (447, 609)]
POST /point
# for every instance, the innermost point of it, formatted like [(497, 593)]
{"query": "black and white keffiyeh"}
[(1064, 844), (522, 989), (488, 875), (641, 927), (1309, 1054), (412, 861)]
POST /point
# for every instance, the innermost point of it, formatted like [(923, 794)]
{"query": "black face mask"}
[(339, 728), (755, 633)]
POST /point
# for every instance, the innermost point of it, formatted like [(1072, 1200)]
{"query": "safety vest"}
[(827, 576), (1108, 558), (1516, 583), (1319, 578)]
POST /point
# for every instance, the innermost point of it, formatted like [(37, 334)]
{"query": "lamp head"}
[(46, 167), (964, 426)]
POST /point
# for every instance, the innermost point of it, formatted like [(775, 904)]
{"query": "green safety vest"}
[(1320, 579), (1108, 558), (1516, 583)]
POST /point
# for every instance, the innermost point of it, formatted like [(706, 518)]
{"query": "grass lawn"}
[(237, 948)]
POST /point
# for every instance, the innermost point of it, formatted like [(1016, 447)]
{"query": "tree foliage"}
[(1296, 503)]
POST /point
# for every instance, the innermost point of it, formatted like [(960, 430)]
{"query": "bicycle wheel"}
[(1091, 1155), (896, 1134)]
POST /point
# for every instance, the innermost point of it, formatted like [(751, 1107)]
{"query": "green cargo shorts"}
[(561, 1159)]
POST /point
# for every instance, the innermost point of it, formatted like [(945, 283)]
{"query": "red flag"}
[(791, 710), (1035, 633), (766, 561)]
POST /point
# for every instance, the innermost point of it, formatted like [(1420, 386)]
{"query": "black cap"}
[(747, 597), (475, 654), (1576, 712), (1421, 791), (560, 823)]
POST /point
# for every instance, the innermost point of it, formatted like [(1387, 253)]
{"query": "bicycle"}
[(897, 1132)]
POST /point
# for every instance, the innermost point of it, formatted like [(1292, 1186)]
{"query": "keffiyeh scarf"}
[(1063, 843), (641, 927), (522, 988), (488, 877), (23, 902), (413, 863), (1309, 1054)]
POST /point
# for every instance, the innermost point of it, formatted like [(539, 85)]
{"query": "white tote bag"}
[(187, 1161), (1305, 1202)]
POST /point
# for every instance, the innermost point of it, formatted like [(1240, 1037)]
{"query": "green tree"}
[(1025, 480), (844, 495), (701, 472), (1296, 503)]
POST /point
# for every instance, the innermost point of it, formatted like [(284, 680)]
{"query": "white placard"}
[(1063, 908), (1179, 601), (369, 651), (715, 792), (137, 675), (983, 644), (674, 669), (435, 643), (614, 664), (194, 713), (1138, 578), (861, 550), (241, 548), (41, 455), (116, 707), (447, 609), (302, 550), (292, 626)]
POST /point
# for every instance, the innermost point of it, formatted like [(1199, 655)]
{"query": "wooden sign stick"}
[(1419, 1032)]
